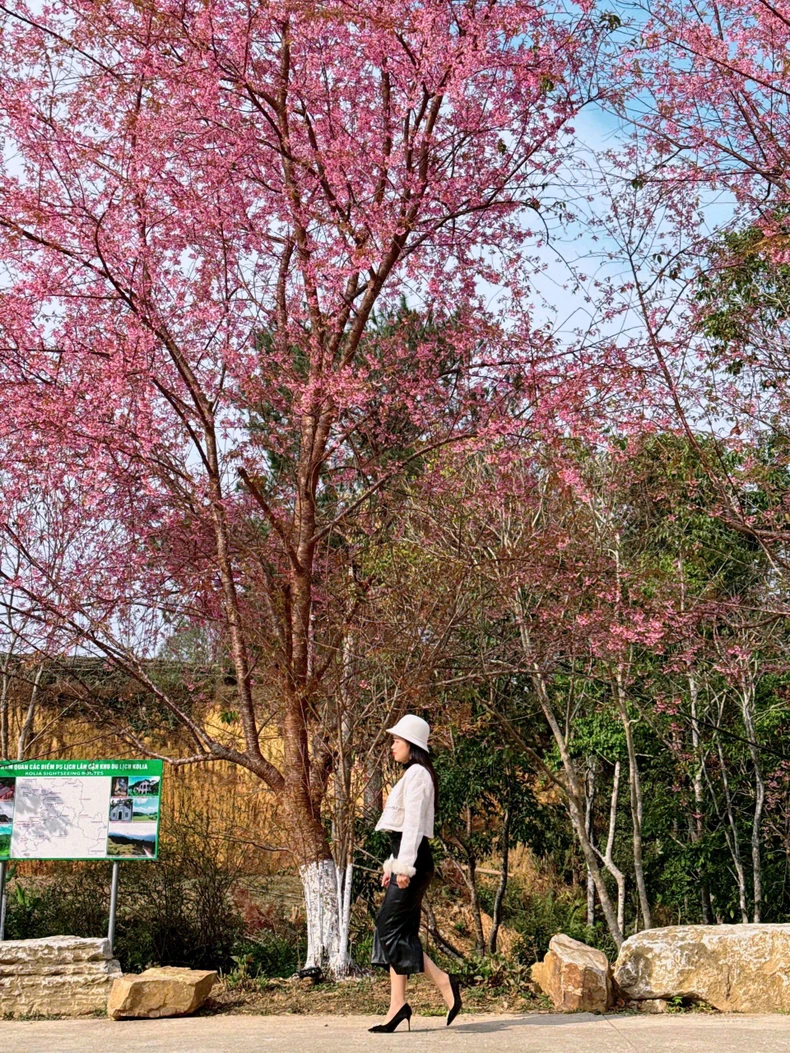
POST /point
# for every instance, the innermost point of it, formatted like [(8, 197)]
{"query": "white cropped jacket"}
[(409, 810)]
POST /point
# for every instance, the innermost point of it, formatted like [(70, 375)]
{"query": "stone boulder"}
[(574, 976), (166, 991), (56, 976), (734, 968)]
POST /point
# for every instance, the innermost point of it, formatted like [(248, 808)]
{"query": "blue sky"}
[(147, 805)]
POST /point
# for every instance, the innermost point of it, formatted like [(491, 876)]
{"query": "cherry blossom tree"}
[(699, 216), (560, 610), (209, 210)]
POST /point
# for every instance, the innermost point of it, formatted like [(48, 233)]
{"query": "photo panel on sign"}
[(7, 796), (6, 810), (131, 840), (144, 786), (146, 809), (121, 809)]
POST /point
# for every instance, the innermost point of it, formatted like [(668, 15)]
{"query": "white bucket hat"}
[(413, 729)]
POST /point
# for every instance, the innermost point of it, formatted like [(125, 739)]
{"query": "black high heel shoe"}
[(455, 1009), (404, 1013)]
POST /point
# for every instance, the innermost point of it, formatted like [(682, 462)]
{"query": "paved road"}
[(538, 1033)]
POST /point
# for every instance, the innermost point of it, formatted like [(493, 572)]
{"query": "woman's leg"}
[(440, 978), (397, 992)]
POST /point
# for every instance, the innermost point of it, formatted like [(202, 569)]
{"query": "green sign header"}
[(81, 767)]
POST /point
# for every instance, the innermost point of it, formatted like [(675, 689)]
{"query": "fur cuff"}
[(392, 866)]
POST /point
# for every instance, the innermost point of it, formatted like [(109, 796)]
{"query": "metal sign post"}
[(2, 899), (113, 905)]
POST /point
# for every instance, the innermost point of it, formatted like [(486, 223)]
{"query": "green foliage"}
[(599, 733), (268, 955), (480, 778), (73, 901), (536, 917), (373, 846), (671, 530), (744, 290), (500, 974), (181, 911)]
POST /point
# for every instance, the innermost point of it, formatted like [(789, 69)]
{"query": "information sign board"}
[(80, 809)]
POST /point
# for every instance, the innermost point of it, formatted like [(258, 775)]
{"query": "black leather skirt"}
[(396, 940)]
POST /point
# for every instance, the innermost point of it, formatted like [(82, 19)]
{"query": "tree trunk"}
[(27, 726), (575, 795), (345, 805), (589, 802), (319, 882), (731, 830), (433, 929), (579, 827), (344, 965), (635, 788), (696, 827), (574, 791), (496, 917), (477, 918), (307, 840), (471, 883), (747, 703), (606, 858), (469, 878), (4, 728), (372, 795)]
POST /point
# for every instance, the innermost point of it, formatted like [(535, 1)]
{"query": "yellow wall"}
[(240, 809)]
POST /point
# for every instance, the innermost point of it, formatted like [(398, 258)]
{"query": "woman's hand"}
[(403, 880), (385, 880)]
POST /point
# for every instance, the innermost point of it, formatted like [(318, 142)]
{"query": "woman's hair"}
[(423, 758)]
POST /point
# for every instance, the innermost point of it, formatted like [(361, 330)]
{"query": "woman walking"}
[(408, 815)]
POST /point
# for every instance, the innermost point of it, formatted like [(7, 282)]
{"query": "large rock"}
[(734, 968), (166, 991), (56, 976), (574, 976)]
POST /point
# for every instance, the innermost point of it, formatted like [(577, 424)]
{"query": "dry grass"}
[(368, 996)]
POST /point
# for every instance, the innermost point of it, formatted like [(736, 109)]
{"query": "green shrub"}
[(268, 955), (362, 949), (180, 911), (73, 901)]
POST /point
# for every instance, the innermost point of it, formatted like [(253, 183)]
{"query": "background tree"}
[(487, 804)]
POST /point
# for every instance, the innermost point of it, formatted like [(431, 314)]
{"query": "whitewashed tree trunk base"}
[(327, 896)]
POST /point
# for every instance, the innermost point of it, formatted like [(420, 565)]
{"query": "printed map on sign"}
[(80, 809), (60, 818)]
